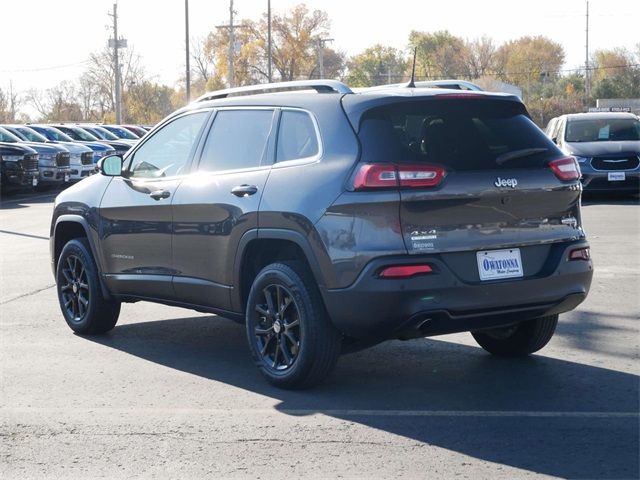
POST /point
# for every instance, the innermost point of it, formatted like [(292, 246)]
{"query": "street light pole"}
[(186, 43), (269, 41)]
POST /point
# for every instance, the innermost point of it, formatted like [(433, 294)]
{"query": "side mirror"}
[(110, 166)]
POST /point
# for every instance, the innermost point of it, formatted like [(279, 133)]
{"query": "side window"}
[(296, 136), (238, 139), (166, 153)]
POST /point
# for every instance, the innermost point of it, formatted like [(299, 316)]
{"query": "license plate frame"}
[(616, 176), (499, 264)]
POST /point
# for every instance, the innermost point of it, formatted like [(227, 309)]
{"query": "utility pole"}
[(186, 43), (117, 43), (269, 41), (321, 44), (232, 42), (587, 73)]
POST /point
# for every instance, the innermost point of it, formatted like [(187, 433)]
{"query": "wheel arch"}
[(258, 248), (69, 227)]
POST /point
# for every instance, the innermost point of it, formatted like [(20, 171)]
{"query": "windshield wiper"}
[(525, 152)]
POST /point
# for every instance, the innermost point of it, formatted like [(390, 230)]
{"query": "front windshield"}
[(7, 136), (105, 134), (53, 134), (78, 133), (31, 135), (122, 133), (603, 130)]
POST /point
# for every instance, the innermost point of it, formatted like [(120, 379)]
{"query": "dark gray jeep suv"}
[(327, 221)]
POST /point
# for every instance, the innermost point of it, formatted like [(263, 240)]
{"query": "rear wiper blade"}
[(525, 152)]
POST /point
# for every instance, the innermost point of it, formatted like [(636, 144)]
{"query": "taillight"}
[(566, 168), (582, 253), (385, 175), (404, 271)]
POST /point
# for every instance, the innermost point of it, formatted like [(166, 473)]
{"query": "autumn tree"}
[(148, 102), (296, 40), (616, 74), (439, 55), (375, 66), (530, 62), (480, 57)]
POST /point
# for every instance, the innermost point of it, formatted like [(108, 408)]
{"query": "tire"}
[(291, 338), (77, 282), (518, 340)]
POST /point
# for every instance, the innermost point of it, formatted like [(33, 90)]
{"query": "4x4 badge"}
[(506, 182)]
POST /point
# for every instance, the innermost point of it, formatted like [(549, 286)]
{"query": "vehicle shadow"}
[(441, 386), (23, 200)]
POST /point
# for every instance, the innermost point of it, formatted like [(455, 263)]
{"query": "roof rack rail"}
[(320, 86)]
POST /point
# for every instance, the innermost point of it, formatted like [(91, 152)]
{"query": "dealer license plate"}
[(616, 176), (498, 264), (34, 182)]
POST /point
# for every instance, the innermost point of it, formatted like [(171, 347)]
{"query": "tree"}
[(376, 65), (616, 74), (295, 42), (58, 103), (481, 56), (439, 55), (9, 104), (530, 62), (148, 102)]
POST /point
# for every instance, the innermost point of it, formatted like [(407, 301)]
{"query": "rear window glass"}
[(458, 134), (603, 130)]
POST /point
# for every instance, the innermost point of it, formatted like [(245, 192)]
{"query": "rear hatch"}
[(475, 175)]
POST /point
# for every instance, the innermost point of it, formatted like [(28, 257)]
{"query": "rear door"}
[(217, 205), (498, 190), (135, 212)]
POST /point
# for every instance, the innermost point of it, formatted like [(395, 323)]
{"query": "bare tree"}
[(481, 56)]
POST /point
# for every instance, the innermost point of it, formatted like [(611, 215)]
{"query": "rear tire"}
[(291, 338), (83, 305), (520, 339)]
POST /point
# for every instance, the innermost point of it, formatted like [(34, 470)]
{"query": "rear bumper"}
[(441, 302)]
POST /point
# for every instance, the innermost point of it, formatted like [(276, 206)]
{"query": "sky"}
[(45, 42)]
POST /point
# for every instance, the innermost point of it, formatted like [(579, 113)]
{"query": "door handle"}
[(158, 194), (244, 190)]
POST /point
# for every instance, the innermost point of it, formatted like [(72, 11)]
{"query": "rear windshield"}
[(459, 134), (602, 130)]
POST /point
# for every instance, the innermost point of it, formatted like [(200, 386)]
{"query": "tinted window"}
[(602, 130), (296, 136), (458, 134), (166, 153), (238, 139)]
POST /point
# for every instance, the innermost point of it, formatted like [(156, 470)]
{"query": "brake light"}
[(566, 168), (580, 254), (404, 271), (385, 175)]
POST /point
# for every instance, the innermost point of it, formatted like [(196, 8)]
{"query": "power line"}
[(42, 69)]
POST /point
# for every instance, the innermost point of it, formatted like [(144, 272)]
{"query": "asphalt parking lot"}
[(172, 393)]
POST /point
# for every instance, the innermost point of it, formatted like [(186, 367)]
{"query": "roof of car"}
[(599, 115)]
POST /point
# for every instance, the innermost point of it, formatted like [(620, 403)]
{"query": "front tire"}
[(291, 338), (518, 340), (83, 306)]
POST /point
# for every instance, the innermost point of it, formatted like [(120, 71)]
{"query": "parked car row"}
[(606, 145), (41, 155)]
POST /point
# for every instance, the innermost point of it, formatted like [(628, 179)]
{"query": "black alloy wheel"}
[(277, 332), (291, 338), (84, 305), (75, 289)]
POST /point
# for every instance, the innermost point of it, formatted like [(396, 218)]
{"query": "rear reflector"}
[(404, 271), (386, 175), (566, 168), (580, 254)]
